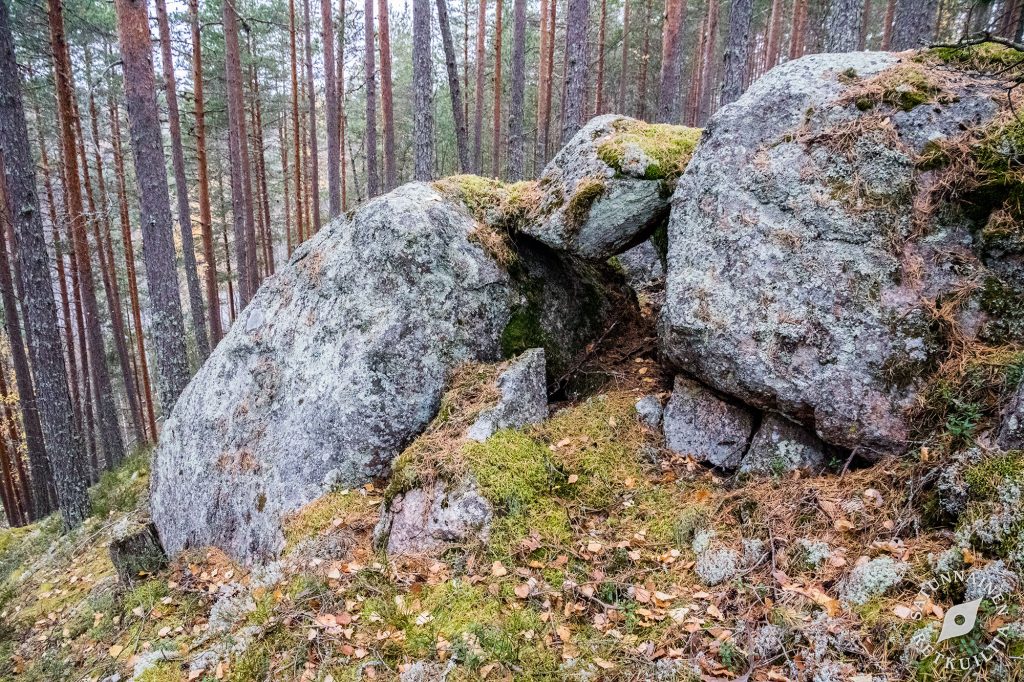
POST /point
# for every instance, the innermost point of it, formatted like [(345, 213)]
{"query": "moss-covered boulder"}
[(608, 188), (340, 360), (844, 247)]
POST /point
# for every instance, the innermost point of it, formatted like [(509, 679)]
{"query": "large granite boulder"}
[(814, 236), (340, 360), (610, 185)]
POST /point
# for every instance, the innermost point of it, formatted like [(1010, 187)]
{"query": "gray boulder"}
[(340, 360), (650, 411), (780, 446), (1011, 429), (699, 423), (798, 276), (609, 186), (426, 520), (524, 397)]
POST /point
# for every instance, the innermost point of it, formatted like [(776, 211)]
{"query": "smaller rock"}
[(425, 671), (233, 604), (426, 520), (135, 551), (150, 659), (643, 268), (650, 411), (872, 579), (991, 582), (780, 446), (524, 397), (1011, 430), (699, 423), (716, 566)]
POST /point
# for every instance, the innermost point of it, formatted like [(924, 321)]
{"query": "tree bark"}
[(314, 143), (624, 69), (188, 248), (340, 72), (387, 100), (671, 61), (51, 381), (796, 35), (205, 214), (496, 109), (577, 28), (154, 200), (284, 187), (865, 20), (452, 68), (741, 13), (517, 101), (708, 72), (913, 24), (372, 176), (478, 116), (601, 29), (774, 39), (331, 111), (842, 25), (539, 155), (423, 86), (130, 272), (296, 131), (645, 62), (890, 13), (110, 431)]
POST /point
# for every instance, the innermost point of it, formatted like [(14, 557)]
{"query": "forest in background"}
[(180, 154)]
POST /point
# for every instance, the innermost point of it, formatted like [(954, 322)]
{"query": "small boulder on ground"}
[(428, 519), (610, 185), (1011, 429), (650, 411), (524, 397), (780, 446), (699, 423)]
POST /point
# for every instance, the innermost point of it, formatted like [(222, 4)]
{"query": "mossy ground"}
[(669, 147)]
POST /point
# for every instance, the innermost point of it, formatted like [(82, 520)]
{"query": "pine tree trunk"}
[(708, 73), (331, 111), (261, 163), (842, 25), (154, 201), (913, 24), (314, 142), (549, 78), (232, 312), (671, 61), (56, 415), (24, 492), (602, 27), (478, 116), (624, 69), (296, 143), (387, 99), (865, 20), (188, 248), (340, 73), (645, 62), (241, 193), (423, 86), (539, 139), (774, 39), (205, 213), (130, 272), (496, 109), (517, 102), (737, 48), (577, 28), (890, 13), (458, 113), (796, 34), (284, 187), (372, 176), (110, 431)]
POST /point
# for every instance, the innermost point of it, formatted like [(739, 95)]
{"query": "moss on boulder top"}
[(653, 151)]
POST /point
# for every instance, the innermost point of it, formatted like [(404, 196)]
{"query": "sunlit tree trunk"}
[(314, 145), (774, 38), (624, 69), (387, 98), (331, 111), (369, 65), (478, 115), (671, 60)]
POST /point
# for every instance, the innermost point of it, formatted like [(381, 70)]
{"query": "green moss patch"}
[(669, 147), (509, 206), (904, 87), (577, 209), (984, 57)]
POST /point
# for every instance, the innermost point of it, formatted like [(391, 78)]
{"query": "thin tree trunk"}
[(478, 116), (843, 25), (624, 69), (576, 29), (774, 35), (340, 73), (331, 109), (539, 141), (602, 26), (205, 214), (423, 86), (549, 77), (741, 12), (129, 260), (296, 143), (865, 20), (387, 99), (496, 109), (261, 163), (232, 311), (516, 112), (890, 13), (671, 60), (154, 200), (458, 113), (110, 431), (645, 62), (284, 188), (796, 36), (707, 78), (314, 143), (188, 249), (372, 177)]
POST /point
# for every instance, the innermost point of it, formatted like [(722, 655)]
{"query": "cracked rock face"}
[(524, 397), (427, 520), (796, 279), (592, 209), (697, 422), (1011, 430), (339, 361), (780, 446)]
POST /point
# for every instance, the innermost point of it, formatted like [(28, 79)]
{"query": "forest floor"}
[(610, 558)]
